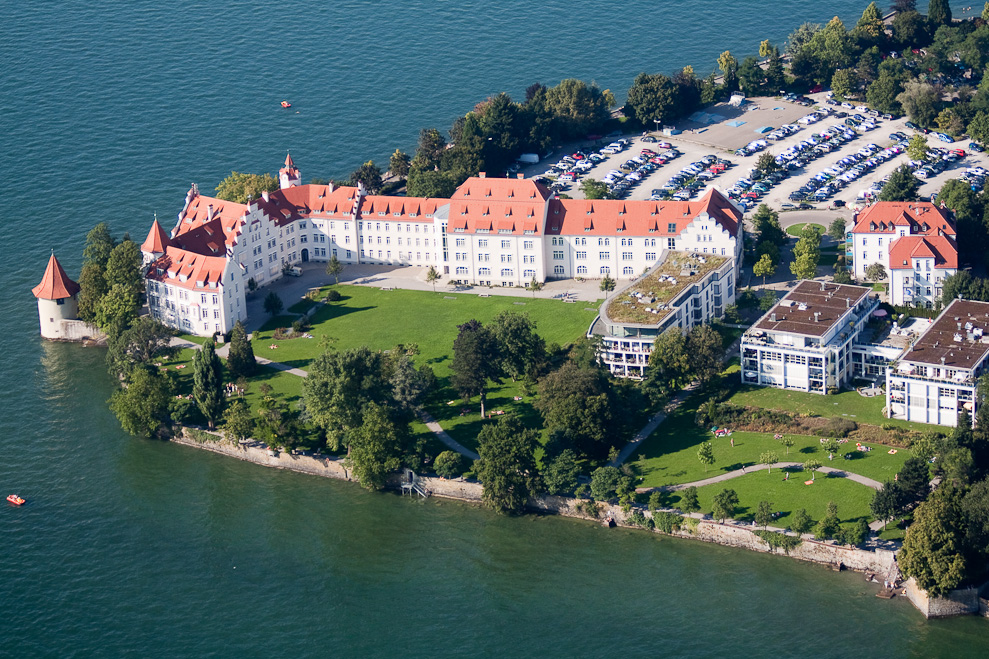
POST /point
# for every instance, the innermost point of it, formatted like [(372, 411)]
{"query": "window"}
[(506, 258), (558, 269), (461, 242), (604, 256), (461, 270), (527, 244), (529, 274), (506, 244), (483, 257), (627, 270), (605, 270), (483, 242), (581, 256), (626, 256), (671, 243), (581, 269), (558, 255), (650, 256), (671, 227), (484, 271), (506, 272)]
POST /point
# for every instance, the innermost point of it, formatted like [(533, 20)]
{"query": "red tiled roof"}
[(606, 217), (55, 285), (399, 209), (199, 226), (288, 161), (940, 248), (502, 189), (157, 239), (922, 217), (187, 269), (285, 206)]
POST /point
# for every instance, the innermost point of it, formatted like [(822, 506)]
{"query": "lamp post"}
[(656, 121)]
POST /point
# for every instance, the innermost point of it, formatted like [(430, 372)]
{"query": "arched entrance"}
[(305, 255)]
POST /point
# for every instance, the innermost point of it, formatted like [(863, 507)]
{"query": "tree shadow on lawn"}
[(807, 450)]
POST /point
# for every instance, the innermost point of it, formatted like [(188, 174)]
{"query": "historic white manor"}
[(917, 244), (500, 232)]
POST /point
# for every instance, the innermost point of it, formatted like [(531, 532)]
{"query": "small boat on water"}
[(16, 500), (286, 104)]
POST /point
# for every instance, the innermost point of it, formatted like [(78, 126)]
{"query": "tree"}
[(607, 284), (398, 164), (767, 301), (476, 359), (807, 253), (376, 446), (651, 98), (338, 388), (804, 266), (812, 466), (369, 175), (917, 147), (409, 385), (561, 473), (577, 108), (705, 453), (914, 480), (921, 101), (775, 76), (139, 345), (432, 276), (787, 442), (801, 521), (830, 446), (92, 285), (124, 267), (875, 271), (608, 483), (240, 357), (521, 350), (764, 514), (239, 187), (273, 304), (725, 503), (595, 189), (705, 349), (911, 29), (750, 76), (449, 464), (843, 83), (116, 310), (535, 286), (830, 525), (764, 267), (142, 405), (933, 550), (669, 367), (901, 6), (978, 127), (507, 467), (841, 276), (99, 244), (769, 458), (766, 223), (689, 502), (238, 421), (939, 12), (429, 183), (902, 186), (870, 29), (837, 229), (729, 70), (886, 502), (207, 378), (334, 268), (581, 404), (882, 93)]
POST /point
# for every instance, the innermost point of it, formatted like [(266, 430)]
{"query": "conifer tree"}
[(207, 386), (240, 359)]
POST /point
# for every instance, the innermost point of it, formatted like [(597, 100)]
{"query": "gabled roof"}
[(479, 188), (399, 209), (157, 240), (208, 219), (186, 269), (55, 285), (921, 217), (906, 248), (301, 201)]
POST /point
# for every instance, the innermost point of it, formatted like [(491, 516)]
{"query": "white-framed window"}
[(558, 255), (627, 270), (605, 270), (558, 269), (581, 269)]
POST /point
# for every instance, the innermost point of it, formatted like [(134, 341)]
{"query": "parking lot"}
[(865, 157)]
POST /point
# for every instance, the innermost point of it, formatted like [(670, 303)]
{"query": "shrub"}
[(839, 427), (333, 296), (636, 518), (775, 539), (301, 325), (448, 464), (669, 522)]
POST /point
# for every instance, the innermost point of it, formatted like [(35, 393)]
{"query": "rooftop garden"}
[(646, 300)]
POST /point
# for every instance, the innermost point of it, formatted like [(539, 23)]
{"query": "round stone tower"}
[(56, 301)]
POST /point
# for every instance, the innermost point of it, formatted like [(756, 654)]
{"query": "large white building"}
[(938, 375), (683, 290), (917, 244), (500, 232), (805, 341)]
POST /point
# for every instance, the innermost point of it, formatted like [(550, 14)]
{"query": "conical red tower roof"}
[(55, 285), (157, 240), (289, 164)]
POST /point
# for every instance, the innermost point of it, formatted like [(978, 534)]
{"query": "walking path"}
[(728, 475), (445, 438)]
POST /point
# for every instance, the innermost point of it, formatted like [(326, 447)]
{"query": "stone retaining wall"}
[(957, 603)]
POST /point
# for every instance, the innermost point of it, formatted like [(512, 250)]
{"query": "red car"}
[(959, 152), (657, 161), (648, 152), (664, 145)]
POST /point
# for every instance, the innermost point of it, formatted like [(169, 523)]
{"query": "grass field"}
[(789, 496), (795, 229), (846, 404), (382, 319)]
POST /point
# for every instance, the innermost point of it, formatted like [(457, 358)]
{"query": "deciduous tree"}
[(902, 186), (273, 304), (581, 404), (725, 503), (507, 468), (240, 186), (769, 458), (669, 367), (334, 268), (689, 502), (144, 341), (449, 464), (934, 549), (142, 405), (521, 350), (837, 229), (561, 473), (432, 276), (338, 388), (398, 164), (476, 360), (764, 267), (705, 453), (706, 351), (238, 421), (830, 525), (764, 514)]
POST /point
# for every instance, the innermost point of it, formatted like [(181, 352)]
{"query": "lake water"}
[(130, 547)]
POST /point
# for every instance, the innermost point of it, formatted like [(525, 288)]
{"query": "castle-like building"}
[(493, 231)]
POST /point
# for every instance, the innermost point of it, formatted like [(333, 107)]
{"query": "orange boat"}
[(286, 104), (14, 499)]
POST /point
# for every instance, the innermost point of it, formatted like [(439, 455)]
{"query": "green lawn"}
[(789, 496), (847, 404), (382, 319), (797, 228)]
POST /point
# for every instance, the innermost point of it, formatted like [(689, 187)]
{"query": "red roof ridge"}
[(157, 240), (55, 285)]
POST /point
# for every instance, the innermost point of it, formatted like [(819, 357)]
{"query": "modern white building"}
[(805, 341), (938, 375), (683, 290), (917, 244), (498, 232)]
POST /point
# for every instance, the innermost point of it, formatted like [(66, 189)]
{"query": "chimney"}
[(480, 175), (942, 361), (772, 317), (520, 175), (848, 303), (209, 213), (822, 286), (817, 316), (264, 195)]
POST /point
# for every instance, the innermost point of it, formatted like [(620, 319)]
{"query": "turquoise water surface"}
[(135, 548)]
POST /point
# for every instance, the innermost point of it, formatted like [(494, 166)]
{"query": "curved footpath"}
[(728, 475)]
